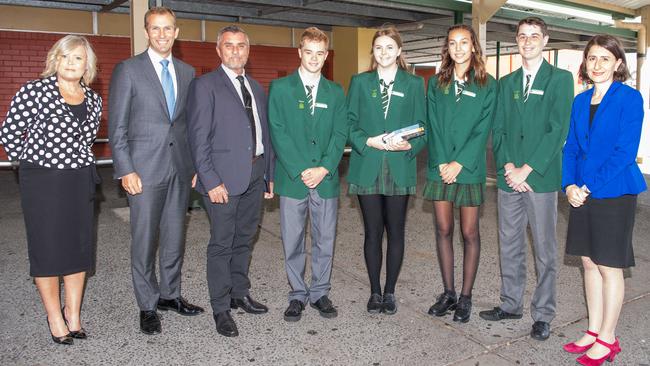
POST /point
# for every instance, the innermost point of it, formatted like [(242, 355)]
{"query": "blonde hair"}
[(64, 46), (313, 34)]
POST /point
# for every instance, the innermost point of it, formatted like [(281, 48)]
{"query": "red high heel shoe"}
[(574, 348), (614, 349)]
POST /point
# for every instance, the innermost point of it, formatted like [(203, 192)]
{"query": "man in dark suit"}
[(232, 153), (148, 137)]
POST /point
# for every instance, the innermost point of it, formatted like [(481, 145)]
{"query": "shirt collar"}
[(156, 58), (231, 74), (532, 72), (308, 79)]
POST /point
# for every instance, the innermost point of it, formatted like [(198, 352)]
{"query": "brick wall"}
[(23, 58)]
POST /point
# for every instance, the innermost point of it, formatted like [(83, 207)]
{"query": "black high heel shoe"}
[(65, 340), (78, 334)]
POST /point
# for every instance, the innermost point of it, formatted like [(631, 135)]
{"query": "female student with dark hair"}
[(461, 99), (383, 172), (602, 180)]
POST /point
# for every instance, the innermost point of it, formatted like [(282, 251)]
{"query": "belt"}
[(256, 158)]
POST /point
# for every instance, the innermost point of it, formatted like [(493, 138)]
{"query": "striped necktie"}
[(168, 87), (310, 98), (527, 88), (385, 98), (459, 90)]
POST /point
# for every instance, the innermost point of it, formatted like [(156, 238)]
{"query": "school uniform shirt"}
[(366, 119), (41, 129), (533, 132), (458, 131)]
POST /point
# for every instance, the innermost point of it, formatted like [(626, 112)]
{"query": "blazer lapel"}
[(582, 120), (517, 94), (374, 90), (182, 85), (150, 74), (322, 98), (540, 83)]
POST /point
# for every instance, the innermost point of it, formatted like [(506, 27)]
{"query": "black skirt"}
[(58, 206), (601, 229)]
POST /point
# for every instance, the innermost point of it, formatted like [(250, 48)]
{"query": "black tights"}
[(381, 212), (444, 217)]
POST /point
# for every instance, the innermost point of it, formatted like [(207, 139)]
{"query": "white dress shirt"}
[(308, 79), (155, 60), (259, 146)]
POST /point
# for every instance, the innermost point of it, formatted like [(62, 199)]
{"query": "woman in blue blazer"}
[(601, 180)]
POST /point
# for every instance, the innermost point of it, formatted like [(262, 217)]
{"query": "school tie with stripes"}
[(527, 88), (459, 90), (384, 95), (310, 98), (168, 87)]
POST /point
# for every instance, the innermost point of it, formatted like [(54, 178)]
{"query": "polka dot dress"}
[(40, 127)]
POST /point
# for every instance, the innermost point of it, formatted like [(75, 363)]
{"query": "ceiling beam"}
[(112, 5), (614, 10)]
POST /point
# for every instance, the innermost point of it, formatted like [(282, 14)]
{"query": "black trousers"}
[(233, 227)]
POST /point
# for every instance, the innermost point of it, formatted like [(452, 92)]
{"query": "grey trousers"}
[(293, 216), (233, 227), (516, 211), (158, 223)]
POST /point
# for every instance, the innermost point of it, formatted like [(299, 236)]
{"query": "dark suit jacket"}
[(603, 156), (220, 138), (142, 137)]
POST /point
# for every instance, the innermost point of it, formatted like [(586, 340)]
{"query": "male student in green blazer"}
[(530, 127), (308, 125)]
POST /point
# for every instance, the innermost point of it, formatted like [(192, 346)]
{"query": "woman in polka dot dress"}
[(50, 127)]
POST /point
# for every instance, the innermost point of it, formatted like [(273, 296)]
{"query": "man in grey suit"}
[(232, 153), (148, 137)]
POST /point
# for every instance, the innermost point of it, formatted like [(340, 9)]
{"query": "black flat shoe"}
[(325, 307), (541, 331), (150, 322), (65, 340), (76, 334), (497, 314), (463, 309), (294, 311), (375, 304), (445, 303), (225, 324), (179, 305), (389, 306), (248, 305)]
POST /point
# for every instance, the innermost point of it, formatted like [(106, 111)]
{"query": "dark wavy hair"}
[(611, 44), (446, 73), (392, 32)]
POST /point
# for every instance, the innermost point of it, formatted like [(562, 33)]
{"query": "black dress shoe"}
[(294, 311), (325, 307), (150, 322), (248, 305), (446, 302), (463, 309), (497, 314), (375, 304), (541, 331), (179, 305), (389, 306), (65, 340), (225, 324), (76, 334)]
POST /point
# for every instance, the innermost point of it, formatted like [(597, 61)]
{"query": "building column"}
[(482, 11), (138, 8), (352, 48)]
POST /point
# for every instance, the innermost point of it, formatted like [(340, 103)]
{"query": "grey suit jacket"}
[(219, 133), (143, 139)]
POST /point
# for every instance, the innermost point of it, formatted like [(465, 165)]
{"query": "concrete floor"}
[(411, 337)]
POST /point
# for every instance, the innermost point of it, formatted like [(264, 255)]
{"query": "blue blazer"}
[(603, 157)]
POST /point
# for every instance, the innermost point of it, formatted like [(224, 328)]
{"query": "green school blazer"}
[(366, 119), (302, 140), (534, 132), (458, 131)]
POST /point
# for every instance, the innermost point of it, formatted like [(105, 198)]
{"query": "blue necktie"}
[(168, 88)]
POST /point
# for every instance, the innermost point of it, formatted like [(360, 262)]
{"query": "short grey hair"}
[(64, 46), (231, 29)]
